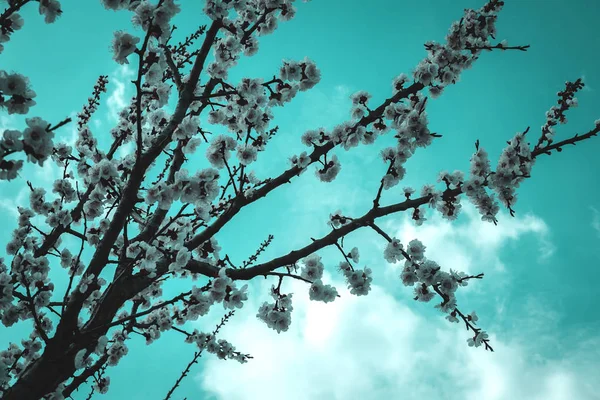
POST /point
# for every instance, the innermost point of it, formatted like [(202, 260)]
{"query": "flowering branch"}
[(197, 355)]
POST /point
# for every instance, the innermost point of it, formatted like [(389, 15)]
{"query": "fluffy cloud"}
[(9, 205), (117, 99), (378, 347), (469, 244), (8, 122), (595, 220)]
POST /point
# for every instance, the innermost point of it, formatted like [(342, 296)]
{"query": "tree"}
[(152, 220)]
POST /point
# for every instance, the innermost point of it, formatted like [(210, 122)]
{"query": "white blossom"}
[(123, 45)]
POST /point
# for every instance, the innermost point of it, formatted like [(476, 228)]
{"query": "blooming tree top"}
[(153, 219)]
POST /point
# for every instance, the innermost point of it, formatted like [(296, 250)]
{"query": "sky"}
[(538, 297)]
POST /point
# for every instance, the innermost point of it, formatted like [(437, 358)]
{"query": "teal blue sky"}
[(541, 268)]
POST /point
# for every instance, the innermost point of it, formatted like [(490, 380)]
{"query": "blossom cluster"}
[(301, 162), (261, 15), (410, 123), (200, 190), (337, 220), (442, 67), (474, 187), (514, 164), (347, 134), (147, 16), (16, 357), (359, 282), (513, 167), (427, 278), (221, 289), (278, 315), (313, 271), (222, 348), (249, 108), (321, 292), (16, 94), (448, 206), (31, 273), (123, 45), (393, 251), (35, 141), (464, 42), (556, 115), (12, 22), (8, 26)]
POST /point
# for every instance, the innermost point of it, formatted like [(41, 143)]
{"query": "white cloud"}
[(321, 108), (595, 220), (587, 87), (10, 204), (7, 122), (117, 99), (377, 348), (126, 149), (471, 246), (44, 176), (74, 131)]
